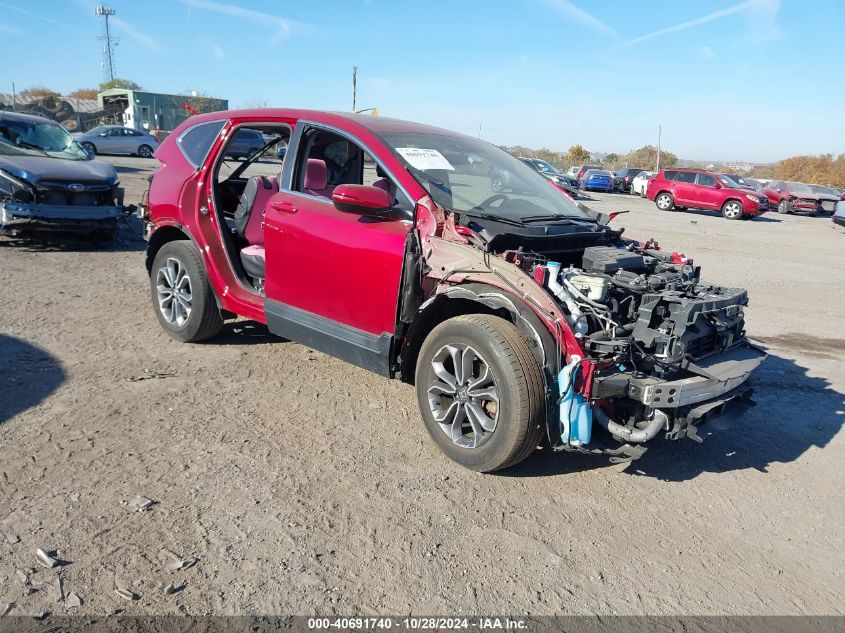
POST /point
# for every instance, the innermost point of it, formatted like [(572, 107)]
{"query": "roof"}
[(20, 116), (376, 125), (20, 101)]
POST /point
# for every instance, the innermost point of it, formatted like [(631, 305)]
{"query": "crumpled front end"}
[(77, 207)]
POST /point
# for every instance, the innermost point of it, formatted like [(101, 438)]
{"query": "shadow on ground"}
[(244, 333), (129, 237), (30, 375), (794, 413)]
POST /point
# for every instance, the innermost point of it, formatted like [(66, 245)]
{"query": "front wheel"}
[(181, 293), (480, 392), (783, 207), (497, 184), (145, 151), (732, 210), (664, 201), (89, 147)]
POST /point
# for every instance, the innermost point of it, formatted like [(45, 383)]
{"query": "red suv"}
[(520, 317), (682, 188)]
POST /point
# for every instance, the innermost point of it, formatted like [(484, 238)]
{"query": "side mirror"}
[(361, 199), (718, 185)]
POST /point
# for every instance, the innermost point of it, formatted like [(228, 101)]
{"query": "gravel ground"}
[(305, 485)]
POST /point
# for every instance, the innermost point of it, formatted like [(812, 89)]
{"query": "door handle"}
[(284, 207)]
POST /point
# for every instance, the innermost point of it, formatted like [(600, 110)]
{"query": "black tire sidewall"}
[(513, 416), (204, 320), (725, 206), (141, 151)]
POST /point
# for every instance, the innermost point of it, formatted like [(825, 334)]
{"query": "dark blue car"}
[(49, 182), (597, 180)]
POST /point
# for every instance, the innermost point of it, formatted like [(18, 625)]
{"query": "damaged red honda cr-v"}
[(521, 317)]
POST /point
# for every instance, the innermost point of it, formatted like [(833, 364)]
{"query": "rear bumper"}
[(16, 216)]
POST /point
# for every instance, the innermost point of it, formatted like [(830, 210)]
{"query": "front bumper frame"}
[(21, 216)]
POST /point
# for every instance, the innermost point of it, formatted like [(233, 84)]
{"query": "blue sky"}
[(756, 80)]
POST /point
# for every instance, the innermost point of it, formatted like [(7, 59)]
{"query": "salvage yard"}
[(302, 484)]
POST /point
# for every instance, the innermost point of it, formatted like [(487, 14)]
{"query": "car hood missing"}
[(35, 169)]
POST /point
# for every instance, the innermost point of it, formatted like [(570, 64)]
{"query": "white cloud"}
[(705, 52), (218, 52), (579, 15), (139, 36), (9, 29), (761, 14), (283, 27)]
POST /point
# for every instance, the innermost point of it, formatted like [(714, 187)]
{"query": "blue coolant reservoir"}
[(576, 416)]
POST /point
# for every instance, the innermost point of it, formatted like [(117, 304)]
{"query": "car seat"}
[(317, 178), (249, 217)]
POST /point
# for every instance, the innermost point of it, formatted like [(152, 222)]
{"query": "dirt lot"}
[(304, 485)]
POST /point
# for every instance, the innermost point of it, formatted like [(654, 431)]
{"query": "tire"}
[(145, 151), (497, 184), (783, 207), (90, 147), (664, 201), (202, 319), (514, 422), (732, 210)]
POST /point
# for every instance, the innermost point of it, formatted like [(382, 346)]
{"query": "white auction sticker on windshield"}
[(424, 158)]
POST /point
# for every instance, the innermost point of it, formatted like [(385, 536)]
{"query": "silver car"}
[(116, 139)]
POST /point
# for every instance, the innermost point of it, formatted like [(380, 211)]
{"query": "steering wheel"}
[(494, 198)]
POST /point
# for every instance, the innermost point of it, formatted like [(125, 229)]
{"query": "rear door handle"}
[(284, 207)]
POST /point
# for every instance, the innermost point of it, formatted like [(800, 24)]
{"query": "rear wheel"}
[(732, 210), (145, 151), (480, 392), (497, 184), (664, 201), (181, 293)]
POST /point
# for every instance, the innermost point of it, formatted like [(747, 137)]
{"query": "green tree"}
[(126, 84), (83, 93), (646, 158), (38, 92), (577, 155), (612, 161)]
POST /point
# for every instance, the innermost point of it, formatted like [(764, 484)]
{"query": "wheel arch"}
[(478, 298), (160, 237)]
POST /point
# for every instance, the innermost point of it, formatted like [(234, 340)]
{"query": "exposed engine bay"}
[(662, 350)]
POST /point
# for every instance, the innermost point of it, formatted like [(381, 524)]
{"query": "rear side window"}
[(706, 180), (685, 176), (670, 175), (196, 141)]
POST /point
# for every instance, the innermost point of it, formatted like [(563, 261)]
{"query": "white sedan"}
[(640, 182)]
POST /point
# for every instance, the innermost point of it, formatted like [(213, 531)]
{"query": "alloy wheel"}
[(144, 151), (173, 287), (463, 396), (732, 210), (664, 202)]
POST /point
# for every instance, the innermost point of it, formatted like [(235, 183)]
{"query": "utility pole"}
[(354, 85), (659, 134), (109, 42), (14, 98)]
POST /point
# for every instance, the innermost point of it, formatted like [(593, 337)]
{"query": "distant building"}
[(154, 111)]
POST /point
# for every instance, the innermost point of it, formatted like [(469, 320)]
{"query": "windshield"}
[(545, 167), (24, 137), (798, 187), (730, 182), (824, 190), (470, 176)]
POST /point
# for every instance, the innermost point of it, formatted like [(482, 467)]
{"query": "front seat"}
[(249, 217), (316, 180)]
